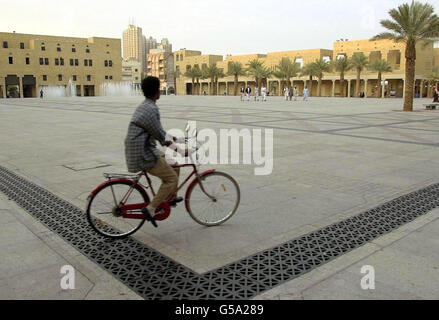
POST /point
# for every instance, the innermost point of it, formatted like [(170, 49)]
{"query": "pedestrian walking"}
[(290, 94), (242, 93), (41, 94), (296, 93), (305, 94), (256, 93), (436, 95), (264, 93), (286, 93), (248, 91)]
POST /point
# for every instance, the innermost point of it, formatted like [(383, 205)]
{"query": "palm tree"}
[(236, 69), (311, 71), (176, 74), (359, 62), (321, 66), (193, 73), (342, 65), (380, 66), (411, 23), (253, 69), (288, 70), (213, 73), (281, 76), (264, 73), (220, 74)]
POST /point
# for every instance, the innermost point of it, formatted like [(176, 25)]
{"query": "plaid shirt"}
[(145, 129)]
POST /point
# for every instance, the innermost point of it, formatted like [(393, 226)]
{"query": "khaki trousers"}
[(169, 177)]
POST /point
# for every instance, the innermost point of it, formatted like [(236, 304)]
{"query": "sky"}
[(211, 26)]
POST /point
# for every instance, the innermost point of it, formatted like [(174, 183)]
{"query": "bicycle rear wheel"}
[(104, 211), (208, 212)]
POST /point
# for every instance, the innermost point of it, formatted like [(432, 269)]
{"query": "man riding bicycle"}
[(141, 148)]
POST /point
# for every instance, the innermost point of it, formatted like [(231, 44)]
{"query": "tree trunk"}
[(212, 83), (310, 86), (319, 86), (342, 95), (193, 87), (198, 87), (410, 54), (380, 85), (357, 86), (236, 84)]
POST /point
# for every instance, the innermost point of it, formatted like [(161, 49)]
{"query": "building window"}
[(27, 60), (5, 44), (106, 63), (85, 62), (74, 78), (62, 61), (72, 62), (73, 49), (21, 45), (43, 48), (44, 77), (106, 77), (60, 77), (11, 60), (58, 49), (41, 61), (56, 62), (90, 63), (88, 78), (111, 77), (87, 50), (46, 61), (76, 62)]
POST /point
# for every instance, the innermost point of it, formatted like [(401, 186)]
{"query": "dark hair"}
[(150, 87)]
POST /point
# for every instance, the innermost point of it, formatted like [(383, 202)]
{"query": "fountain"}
[(59, 91), (119, 89)]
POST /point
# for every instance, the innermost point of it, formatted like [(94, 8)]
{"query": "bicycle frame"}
[(127, 209)]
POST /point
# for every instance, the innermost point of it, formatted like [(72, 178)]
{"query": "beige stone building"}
[(134, 45), (161, 65), (29, 63), (393, 83), (132, 72)]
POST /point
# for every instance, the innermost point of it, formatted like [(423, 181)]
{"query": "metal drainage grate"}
[(155, 276)]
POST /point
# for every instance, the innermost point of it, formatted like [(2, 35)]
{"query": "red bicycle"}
[(114, 208)]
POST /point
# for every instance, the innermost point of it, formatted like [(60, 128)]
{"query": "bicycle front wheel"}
[(104, 211), (214, 212)]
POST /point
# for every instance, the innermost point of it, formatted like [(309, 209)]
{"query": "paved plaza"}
[(333, 159)]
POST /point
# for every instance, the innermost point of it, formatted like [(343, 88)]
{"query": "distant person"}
[(225, 92), (242, 93), (248, 91), (436, 95), (296, 93), (305, 94), (264, 93), (41, 94), (290, 94), (256, 93), (286, 93)]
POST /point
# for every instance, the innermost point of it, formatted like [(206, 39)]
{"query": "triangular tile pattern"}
[(157, 277)]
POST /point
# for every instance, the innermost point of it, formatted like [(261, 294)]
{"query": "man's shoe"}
[(176, 201), (149, 217)]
